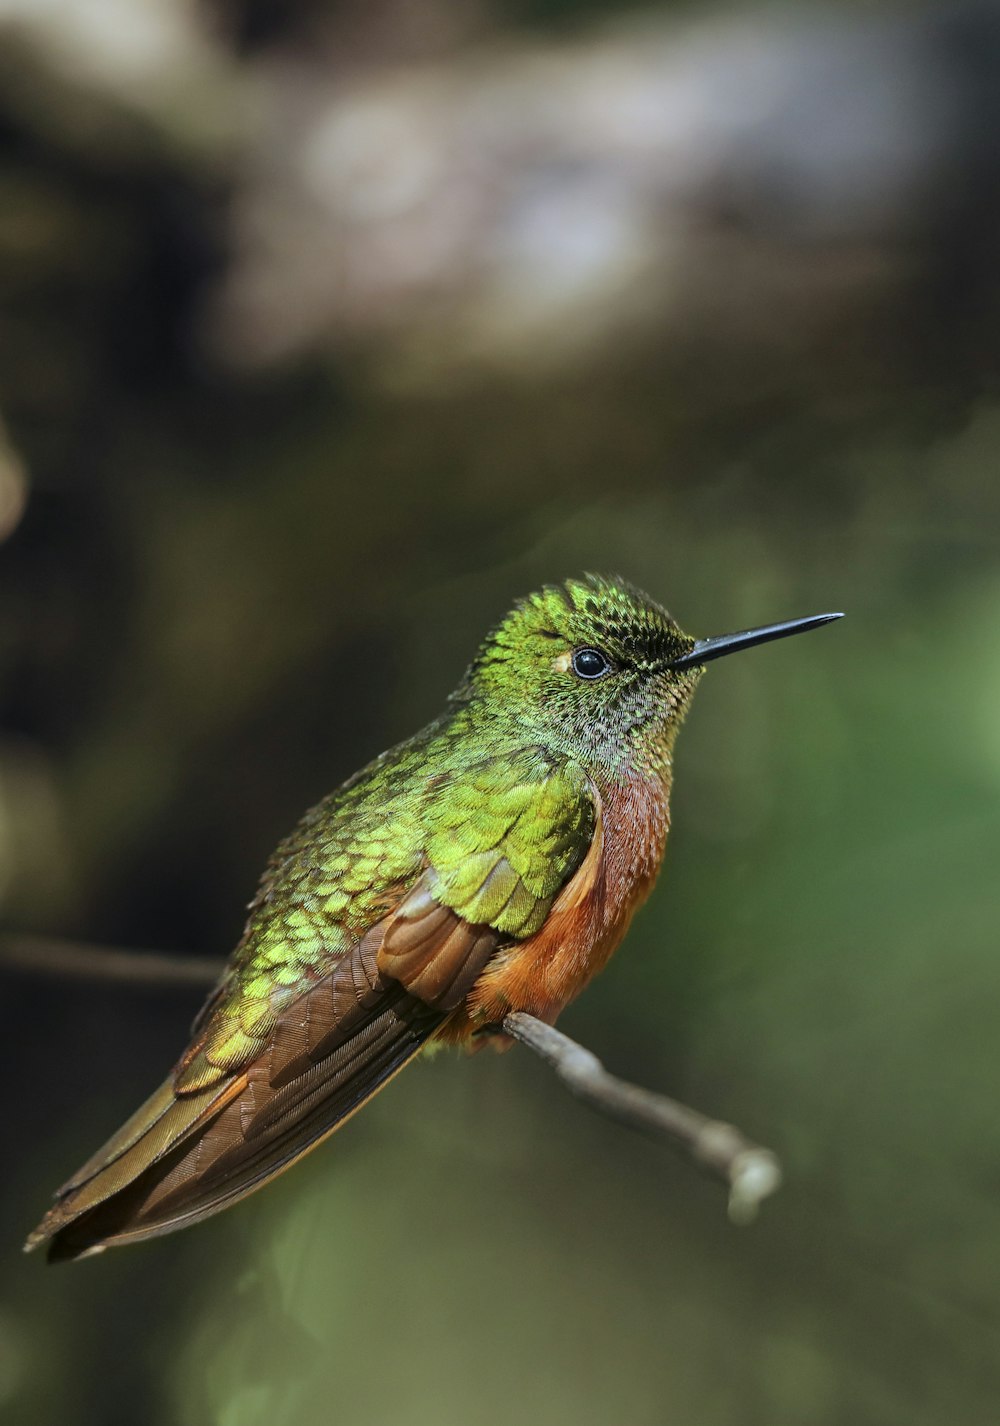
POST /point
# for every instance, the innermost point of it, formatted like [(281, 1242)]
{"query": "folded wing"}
[(188, 1153)]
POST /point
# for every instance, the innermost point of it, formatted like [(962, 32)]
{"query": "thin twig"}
[(750, 1172)]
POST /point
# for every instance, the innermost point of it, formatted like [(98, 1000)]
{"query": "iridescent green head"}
[(598, 668), (589, 662)]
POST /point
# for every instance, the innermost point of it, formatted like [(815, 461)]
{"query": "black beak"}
[(707, 649)]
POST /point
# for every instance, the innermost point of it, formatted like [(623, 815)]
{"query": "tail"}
[(220, 1127), (184, 1156)]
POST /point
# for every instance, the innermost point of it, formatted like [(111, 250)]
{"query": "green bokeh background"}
[(228, 590)]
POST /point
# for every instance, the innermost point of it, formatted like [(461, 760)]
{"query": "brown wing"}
[(184, 1156)]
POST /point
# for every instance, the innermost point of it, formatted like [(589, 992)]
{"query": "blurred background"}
[(326, 329)]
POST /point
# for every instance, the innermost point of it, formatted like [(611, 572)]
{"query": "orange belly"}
[(588, 919)]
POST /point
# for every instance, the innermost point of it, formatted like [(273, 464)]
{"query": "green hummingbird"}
[(491, 863)]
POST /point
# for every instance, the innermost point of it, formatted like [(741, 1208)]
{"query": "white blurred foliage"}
[(154, 57), (126, 42), (526, 199), (517, 203)]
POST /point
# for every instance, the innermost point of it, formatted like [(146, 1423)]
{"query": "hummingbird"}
[(489, 864)]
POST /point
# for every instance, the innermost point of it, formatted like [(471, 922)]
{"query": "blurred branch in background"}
[(78, 960), (750, 1172)]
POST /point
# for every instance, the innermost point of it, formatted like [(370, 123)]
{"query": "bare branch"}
[(750, 1172)]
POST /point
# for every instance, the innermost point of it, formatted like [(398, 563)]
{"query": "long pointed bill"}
[(707, 649)]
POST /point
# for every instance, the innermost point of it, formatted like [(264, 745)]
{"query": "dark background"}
[(325, 331)]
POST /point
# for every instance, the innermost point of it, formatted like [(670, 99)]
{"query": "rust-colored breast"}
[(588, 919)]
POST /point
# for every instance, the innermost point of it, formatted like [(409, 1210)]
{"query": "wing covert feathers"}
[(433, 952)]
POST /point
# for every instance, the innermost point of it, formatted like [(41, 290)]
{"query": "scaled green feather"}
[(501, 831)]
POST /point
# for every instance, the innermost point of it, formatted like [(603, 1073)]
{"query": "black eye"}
[(590, 663)]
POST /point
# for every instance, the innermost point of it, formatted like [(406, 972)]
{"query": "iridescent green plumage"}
[(500, 833), (470, 792), (498, 853)]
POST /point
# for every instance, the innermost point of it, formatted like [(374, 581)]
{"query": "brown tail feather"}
[(209, 1136), (162, 1122), (255, 1134)]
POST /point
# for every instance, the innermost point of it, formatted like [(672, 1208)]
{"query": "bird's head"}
[(597, 668)]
